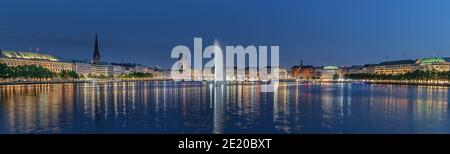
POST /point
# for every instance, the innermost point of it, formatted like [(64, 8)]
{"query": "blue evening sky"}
[(319, 32)]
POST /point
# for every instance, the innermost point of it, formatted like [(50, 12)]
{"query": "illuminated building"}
[(184, 66), (98, 68), (354, 70), (283, 73), (82, 68), (328, 72), (166, 74), (140, 68), (302, 72), (251, 74), (103, 69), (368, 69), (197, 74), (396, 67), (158, 74), (119, 70), (18, 58), (85, 68), (433, 64), (230, 73), (404, 66)]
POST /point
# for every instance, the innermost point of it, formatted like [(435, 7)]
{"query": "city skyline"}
[(341, 33), (224, 75)]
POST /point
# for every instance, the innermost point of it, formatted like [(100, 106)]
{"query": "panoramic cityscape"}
[(43, 93), (34, 67), (224, 75), (348, 67)]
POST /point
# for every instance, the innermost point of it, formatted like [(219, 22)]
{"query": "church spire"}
[(96, 58)]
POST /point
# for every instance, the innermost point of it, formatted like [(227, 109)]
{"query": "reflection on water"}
[(195, 107)]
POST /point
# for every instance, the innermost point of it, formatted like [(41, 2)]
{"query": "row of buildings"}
[(387, 68), (82, 67), (86, 68), (232, 74), (309, 72), (229, 74), (95, 67)]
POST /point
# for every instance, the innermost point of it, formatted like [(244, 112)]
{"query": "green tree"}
[(5, 72), (138, 75), (335, 76), (25, 71), (416, 75), (66, 74)]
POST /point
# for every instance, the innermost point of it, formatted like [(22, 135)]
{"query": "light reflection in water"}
[(195, 107)]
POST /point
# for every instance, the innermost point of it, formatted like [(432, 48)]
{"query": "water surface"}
[(195, 107)]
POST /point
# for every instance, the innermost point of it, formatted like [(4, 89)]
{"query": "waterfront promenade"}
[(392, 82), (74, 81)]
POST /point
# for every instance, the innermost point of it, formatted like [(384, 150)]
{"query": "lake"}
[(194, 107)]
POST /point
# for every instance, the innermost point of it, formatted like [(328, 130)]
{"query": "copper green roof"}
[(330, 67), (27, 55), (431, 60)]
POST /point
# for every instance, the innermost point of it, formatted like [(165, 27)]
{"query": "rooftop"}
[(302, 67), (398, 62), (430, 60), (330, 67), (27, 55)]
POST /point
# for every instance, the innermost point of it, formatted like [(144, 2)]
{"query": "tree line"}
[(33, 72), (416, 75), (137, 75)]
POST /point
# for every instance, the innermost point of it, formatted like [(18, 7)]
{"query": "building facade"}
[(302, 72), (102, 70), (82, 68), (18, 58), (329, 73), (396, 67), (433, 64)]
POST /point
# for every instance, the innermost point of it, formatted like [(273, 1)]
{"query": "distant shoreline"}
[(409, 83), (304, 81), (389, 82), (72, 81)]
